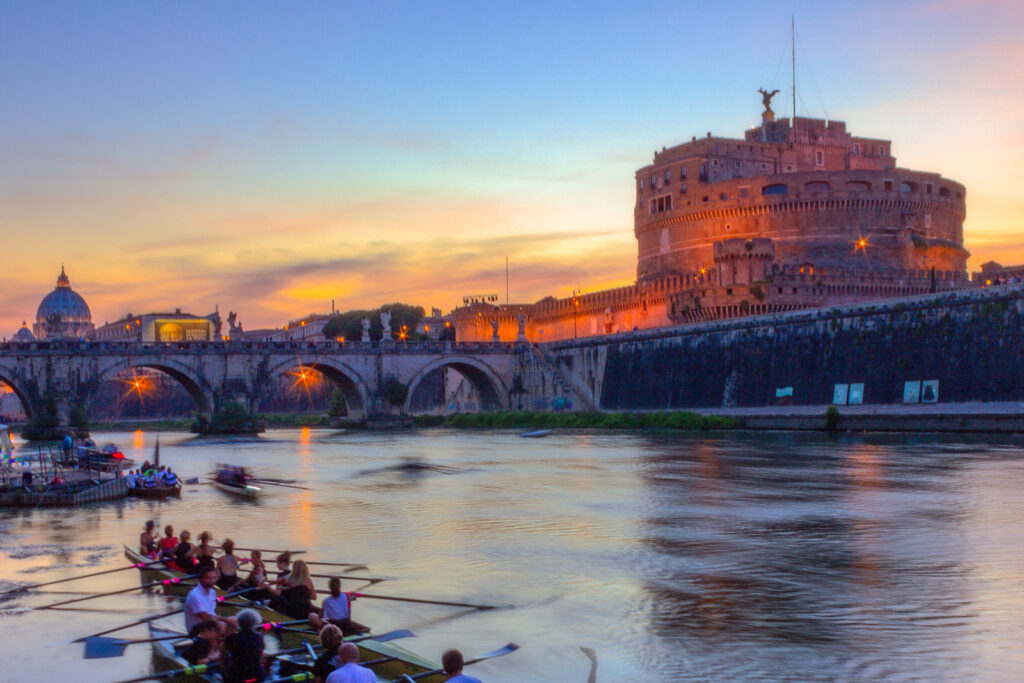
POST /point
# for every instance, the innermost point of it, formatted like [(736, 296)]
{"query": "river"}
[(742, 556)]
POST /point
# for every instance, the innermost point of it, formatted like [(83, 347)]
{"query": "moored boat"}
[(157, 493), (403, 662)]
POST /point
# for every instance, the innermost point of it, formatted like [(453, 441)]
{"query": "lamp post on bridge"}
[(575, 309)]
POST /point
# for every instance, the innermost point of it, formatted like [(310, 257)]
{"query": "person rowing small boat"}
[(337, 610), (236, 480)]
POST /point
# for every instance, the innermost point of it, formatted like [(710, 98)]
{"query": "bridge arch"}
[(488, 384), (195, 385), (352, 385), (7, 377)]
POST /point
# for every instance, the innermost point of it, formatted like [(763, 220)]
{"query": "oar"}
[(101, 647), (371, 579), (152, 618), (351, 567), (195, 670), (139, 565), (265, 550), (164, 582), (425, 602), (274, 483), (508, 649)]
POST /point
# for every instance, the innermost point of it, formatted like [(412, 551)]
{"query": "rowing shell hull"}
[(249, 492), (166, 657), (406, 662), (155, 493)]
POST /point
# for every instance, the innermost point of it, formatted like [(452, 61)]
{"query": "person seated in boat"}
[(185, 555), (244, 661), (227, 565), (170, 478), (168, 543), (205, 551), (453, 663), (146, 467), (129, 479), (257, 579), (149, 481), (350, 671), (296, 598), (331, 639), (201, 605), (147, 544), (284, 562), (205, 646), (337, 610)]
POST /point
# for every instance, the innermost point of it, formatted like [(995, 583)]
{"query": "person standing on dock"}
[(350, 671)]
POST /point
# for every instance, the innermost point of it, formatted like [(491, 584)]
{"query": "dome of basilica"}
[(24, 334), (63, 312)]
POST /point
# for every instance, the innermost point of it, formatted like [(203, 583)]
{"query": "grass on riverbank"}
[(288, 420), (524, 420)]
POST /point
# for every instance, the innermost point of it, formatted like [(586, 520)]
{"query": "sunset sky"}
[(268, 157)]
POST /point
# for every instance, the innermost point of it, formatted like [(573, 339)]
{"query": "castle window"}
[(668, 177), (764, 167), (682, 189), (668, 202), (908, 187), (789, 168), (654, 179), (817, 186), (704, 198), (724, 196), (779, 188), (703, 172), (856, 148), (819, 158), (682, 173), (640, 186), (943, 191), (888, 185), (744, 191), (715, 147), (927, 188), (880, 150), (728, 226), (736, 164)]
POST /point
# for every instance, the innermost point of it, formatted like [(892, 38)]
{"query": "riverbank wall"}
[(958, 347)]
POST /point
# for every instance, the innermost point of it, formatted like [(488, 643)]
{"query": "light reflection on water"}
[(675, 557)]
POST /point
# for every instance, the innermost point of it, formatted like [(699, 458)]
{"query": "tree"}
[(349, 325), (338, 407), (396, 393)]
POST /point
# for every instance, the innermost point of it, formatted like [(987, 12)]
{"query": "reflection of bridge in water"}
[(65, 375)]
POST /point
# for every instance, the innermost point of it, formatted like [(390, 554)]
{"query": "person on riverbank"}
[(350, 671), (337, 610), (243, 651), (331, 638), (147, 544), (453, 664)]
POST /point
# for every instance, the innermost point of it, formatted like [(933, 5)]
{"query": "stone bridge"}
[(63, 376)]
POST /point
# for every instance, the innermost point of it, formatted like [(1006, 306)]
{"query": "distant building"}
[(993, 273), (798, 213), (161, 327), (24, 334), (62, 313)]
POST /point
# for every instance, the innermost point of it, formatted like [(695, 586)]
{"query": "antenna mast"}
[(793, 41)]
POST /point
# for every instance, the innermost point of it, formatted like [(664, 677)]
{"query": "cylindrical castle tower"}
[(823, 197)]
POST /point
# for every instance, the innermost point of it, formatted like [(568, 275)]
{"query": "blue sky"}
[(268, 157)]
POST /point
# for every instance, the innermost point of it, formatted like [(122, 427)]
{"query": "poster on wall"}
[(856, 396), (784, 396), (912, 392), (930, 391), (839, 394)]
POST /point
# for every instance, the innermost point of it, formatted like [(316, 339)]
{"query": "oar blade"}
[(101, 648), (392, 635), (508, 649)]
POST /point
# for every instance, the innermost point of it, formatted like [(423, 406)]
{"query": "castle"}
[(797, 214)]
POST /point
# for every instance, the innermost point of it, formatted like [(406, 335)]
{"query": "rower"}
[(205, 645), (453, 663), (185, 555), (331, 638), (350, 671), (284, 561), (147, 546), (244, 651), (170, 478), (168, 543), (201, 603), (227, 565), (337, 610)]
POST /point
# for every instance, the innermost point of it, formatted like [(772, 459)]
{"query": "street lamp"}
[(575, 309)]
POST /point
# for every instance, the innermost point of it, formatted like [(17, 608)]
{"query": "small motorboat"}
[(535, 434)]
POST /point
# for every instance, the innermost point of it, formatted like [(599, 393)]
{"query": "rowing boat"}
[(157, 493), (404, 662), (242, 490), (167, 653)]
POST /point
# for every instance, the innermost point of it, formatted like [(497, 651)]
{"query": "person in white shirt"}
[(201, 602), (337, 610), (350, 671), (130, 479)]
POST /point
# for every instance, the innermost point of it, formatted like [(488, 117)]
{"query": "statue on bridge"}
[(494, 331), (366, 329), (385, 321), (234, 330)]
